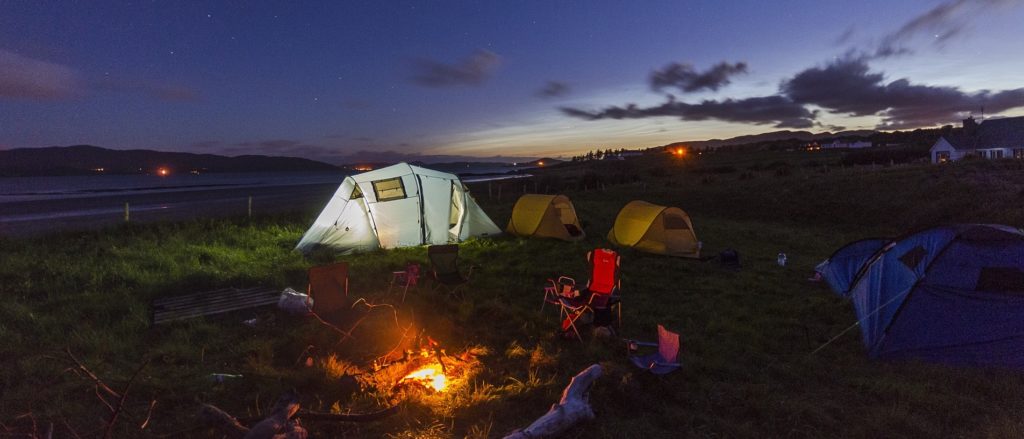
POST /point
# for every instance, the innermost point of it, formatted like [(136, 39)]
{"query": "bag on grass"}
[(294, 302)]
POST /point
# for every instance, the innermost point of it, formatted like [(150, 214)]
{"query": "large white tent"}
[(397, 206)]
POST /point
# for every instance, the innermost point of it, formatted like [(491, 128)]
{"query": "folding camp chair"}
[(665, 360), (564, 286), (601, 296), (409, 277), (328, 287), (444, 264)]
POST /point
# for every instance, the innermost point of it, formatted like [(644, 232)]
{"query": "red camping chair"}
[(328, 287), (409, 277), (665, 360), (601, 295)]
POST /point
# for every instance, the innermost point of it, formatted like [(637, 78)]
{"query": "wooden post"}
[(489, 195), (499, 191), (127, 215), (250, 206)]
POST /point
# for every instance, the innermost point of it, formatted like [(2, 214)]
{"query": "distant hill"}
[(769, 137), (546, 161), (86, 160)]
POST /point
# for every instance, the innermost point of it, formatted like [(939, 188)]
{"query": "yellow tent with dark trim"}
[(655, 229), (545, 216)]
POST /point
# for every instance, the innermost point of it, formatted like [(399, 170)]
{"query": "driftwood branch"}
[(282, 421), (120, 403), (87, 372), (572, 408)]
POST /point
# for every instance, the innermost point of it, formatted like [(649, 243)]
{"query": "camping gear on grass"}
[(407, 278), (655, 229), (952, 294), (169, 309), (397, 206), (545, 216), (665, 360), (730, 259), (328, 287), (600, 297), (294, 302), (564, 286), (444, 265)]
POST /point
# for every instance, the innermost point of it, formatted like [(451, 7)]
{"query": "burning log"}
[(572, 408)]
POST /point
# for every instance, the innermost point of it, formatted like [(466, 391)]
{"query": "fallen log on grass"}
[(572, 408), (280, 423)]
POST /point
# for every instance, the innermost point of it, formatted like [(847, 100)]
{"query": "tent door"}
[(457, 211), (436, 205)]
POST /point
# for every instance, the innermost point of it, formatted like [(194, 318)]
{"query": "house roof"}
[(992, 133)]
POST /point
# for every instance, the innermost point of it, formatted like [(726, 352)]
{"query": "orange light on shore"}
[(679, 152), (540, 163), (429, 376), (163, 172)]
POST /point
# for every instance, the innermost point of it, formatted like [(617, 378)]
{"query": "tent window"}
[(390, 189), (1000, 279), (913, 257), (673, 222), (356, 193)]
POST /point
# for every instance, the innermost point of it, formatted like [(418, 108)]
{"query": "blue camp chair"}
[(663, 361)]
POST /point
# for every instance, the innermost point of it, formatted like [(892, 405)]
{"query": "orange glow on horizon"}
[(163, 172), (679, 152)]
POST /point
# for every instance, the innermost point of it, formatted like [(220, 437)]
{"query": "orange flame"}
[(430, 376)]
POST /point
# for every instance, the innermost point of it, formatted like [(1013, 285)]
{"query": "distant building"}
[(836, 144), (846, 145), (991, 139), (621, 155)]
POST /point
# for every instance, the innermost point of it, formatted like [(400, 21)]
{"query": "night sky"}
[(346, 81)]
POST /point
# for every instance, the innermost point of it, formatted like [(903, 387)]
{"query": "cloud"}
[(779, 111), (940, 24), (553, 89), (22, 77), (390, 156), (471, 71), (688, 80), (847, 86)]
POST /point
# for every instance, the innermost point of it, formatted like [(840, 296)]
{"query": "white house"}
[(991, 139)]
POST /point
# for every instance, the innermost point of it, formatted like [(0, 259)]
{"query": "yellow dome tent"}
[(655, 229), (545, 216)]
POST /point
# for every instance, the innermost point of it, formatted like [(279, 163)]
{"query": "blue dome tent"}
[(951, 295)]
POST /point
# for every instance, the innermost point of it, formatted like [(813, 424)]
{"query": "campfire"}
[(430, 377)]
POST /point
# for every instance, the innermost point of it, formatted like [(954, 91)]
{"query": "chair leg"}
[(405, 291)]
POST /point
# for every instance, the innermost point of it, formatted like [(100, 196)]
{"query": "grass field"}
[(746, 334)]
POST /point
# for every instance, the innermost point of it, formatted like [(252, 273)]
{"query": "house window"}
[(942, 156), (1018, 153), (390, 189)]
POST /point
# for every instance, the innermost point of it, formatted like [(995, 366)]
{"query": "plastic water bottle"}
[(221, 377), (782, 259)]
